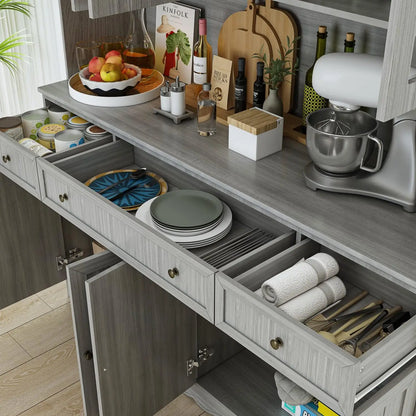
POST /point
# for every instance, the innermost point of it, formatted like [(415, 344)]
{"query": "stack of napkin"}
[(305, 288)]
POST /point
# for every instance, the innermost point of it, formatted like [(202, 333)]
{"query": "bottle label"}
[(200, 70), (312, 102), (240, 93), (258, 98)]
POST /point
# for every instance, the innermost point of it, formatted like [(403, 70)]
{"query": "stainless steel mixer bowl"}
[(334, 153)]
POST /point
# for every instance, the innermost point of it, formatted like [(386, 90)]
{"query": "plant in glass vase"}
[(276, 70), (7, 56), (179, 44)]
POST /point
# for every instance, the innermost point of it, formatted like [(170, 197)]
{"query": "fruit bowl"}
[(110, 89)]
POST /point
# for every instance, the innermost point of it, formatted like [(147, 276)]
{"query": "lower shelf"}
[(241, 386)]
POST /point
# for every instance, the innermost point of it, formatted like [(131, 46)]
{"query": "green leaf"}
[(184, 47), (17, 6)]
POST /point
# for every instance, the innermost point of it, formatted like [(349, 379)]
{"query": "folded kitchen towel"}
[(290, 283), (324, 264), (311, 302)]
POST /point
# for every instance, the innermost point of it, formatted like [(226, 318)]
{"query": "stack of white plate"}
[(191, 218)]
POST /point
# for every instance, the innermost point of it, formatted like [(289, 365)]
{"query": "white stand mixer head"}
[(348, 80)]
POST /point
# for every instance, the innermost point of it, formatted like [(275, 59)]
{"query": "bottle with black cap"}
[(240, 91)]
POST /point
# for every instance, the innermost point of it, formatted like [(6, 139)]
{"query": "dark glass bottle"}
[(349, 42), (311, 100), (240, 91), (259, 89)]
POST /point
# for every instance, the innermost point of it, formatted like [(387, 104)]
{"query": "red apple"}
[(130, 72), (111, 53), (96, 77), (95, 64)]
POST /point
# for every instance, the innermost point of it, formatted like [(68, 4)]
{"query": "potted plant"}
[(7, 57), (276, 70)]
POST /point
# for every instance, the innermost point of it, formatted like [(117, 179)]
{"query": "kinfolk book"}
[(174, 40)]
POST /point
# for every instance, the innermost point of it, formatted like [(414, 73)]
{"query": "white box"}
[(255, 133)]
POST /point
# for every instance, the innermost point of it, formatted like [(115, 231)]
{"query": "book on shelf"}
[(175, 34)]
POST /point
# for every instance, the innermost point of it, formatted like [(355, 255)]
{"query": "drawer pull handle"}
[(88, 355), (276, 343), (173, 272), (6, 158), (63, 197)]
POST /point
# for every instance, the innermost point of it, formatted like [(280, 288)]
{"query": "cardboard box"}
[(255, 133)]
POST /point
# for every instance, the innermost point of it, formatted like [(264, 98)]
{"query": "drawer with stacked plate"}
[(270, 309), (19, 164), (182, 257)]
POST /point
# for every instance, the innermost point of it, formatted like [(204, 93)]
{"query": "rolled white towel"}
[(311, 302), (290, 283), (324, 264)]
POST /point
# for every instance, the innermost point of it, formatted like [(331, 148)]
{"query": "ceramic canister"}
[(94, 132), (67, 139), (58, 114), (78, 123), (12, 126), (32, 120)]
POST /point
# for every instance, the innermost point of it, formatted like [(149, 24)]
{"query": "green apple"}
[(110, 72)]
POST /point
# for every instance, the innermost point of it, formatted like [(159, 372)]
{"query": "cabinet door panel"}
[(142, 338), (101, 8), (78, 273), (397, 93)]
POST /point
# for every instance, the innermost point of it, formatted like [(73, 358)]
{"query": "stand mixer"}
[(338, 137)]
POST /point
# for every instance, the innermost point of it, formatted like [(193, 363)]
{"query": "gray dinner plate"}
[(186, 208)]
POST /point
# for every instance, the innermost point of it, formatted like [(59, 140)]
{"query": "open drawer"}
[(19, 164), (323, 369), (176, 269)]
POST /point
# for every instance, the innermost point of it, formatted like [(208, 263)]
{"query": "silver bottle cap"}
[(178, 86), (206, 86)]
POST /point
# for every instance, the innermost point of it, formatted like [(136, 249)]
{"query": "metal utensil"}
[(148, 184), (137, 174)]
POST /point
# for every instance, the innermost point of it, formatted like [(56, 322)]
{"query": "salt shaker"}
[(165, 97), (177, 98)]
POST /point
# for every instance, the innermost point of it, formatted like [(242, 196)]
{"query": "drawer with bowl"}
[(322, 368), (19, 164), (186, 272)]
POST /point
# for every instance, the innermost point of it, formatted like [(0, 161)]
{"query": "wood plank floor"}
[(38, 365)]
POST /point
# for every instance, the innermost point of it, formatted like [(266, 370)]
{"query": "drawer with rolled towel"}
[(328, 324)]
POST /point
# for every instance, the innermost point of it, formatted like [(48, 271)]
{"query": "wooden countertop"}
[(374, 233)]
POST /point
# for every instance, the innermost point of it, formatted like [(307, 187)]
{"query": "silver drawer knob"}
[(6, 158), (63, 197), (276, 343), (173, 272)]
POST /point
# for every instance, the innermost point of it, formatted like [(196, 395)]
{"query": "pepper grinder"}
[(177, 98), (165, 97)]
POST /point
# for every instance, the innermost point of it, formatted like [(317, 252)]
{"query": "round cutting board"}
[(146, 90)]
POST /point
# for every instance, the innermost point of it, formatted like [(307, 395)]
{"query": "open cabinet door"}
[(141, 338)]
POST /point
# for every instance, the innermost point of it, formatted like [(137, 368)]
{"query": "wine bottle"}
[(311, 100), (240, 90), (349, 42), (202, 56), (206, 113), (259, 88)]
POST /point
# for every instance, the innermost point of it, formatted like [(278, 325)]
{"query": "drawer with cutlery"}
[(272, 310), (19, 164), (85, 188)]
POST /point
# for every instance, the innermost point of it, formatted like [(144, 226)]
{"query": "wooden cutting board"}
[(236, 40)]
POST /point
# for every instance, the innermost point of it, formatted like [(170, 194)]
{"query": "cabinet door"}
[(141, 338), (398, 84), (101, 8), (30, 240)]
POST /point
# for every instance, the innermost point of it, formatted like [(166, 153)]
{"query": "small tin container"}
[(68, 139), (58, 115), (77, 123), (32, 121), (46, 134), (94, 132), (12, 126), (35, 147)]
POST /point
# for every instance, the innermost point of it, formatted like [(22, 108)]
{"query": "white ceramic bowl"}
[(111, 89)]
